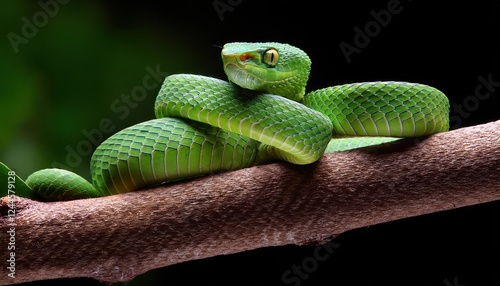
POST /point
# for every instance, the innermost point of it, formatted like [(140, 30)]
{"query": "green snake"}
[(262, 114)]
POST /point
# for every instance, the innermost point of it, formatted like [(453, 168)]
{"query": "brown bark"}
[(118, 237)]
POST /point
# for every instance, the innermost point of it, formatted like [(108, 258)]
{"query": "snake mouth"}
[(241, 76)]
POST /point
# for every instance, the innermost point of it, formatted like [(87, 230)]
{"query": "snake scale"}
[(262, 114)]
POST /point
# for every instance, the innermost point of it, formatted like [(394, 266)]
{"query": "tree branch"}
[(118, 237)]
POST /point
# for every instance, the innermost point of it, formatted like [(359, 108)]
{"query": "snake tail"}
[(54, 184)]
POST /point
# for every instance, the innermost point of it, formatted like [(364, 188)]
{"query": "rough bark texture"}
[(118, 237)]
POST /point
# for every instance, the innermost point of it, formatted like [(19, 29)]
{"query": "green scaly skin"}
[(206, 125)]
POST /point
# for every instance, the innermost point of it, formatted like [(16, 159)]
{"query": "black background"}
[(447, 44)]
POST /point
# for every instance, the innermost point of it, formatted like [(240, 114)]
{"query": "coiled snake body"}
[(206, 125)]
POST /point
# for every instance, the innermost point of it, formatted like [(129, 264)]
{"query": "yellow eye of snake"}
[(270, 57)]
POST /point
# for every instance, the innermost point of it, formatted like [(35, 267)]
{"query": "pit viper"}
[(263, 113)]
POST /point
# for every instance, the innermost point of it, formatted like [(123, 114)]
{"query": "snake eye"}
[(270, 57)]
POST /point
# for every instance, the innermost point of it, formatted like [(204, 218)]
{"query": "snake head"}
[(276, 68)]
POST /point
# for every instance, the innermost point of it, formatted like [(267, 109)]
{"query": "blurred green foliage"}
[(66, 74)]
